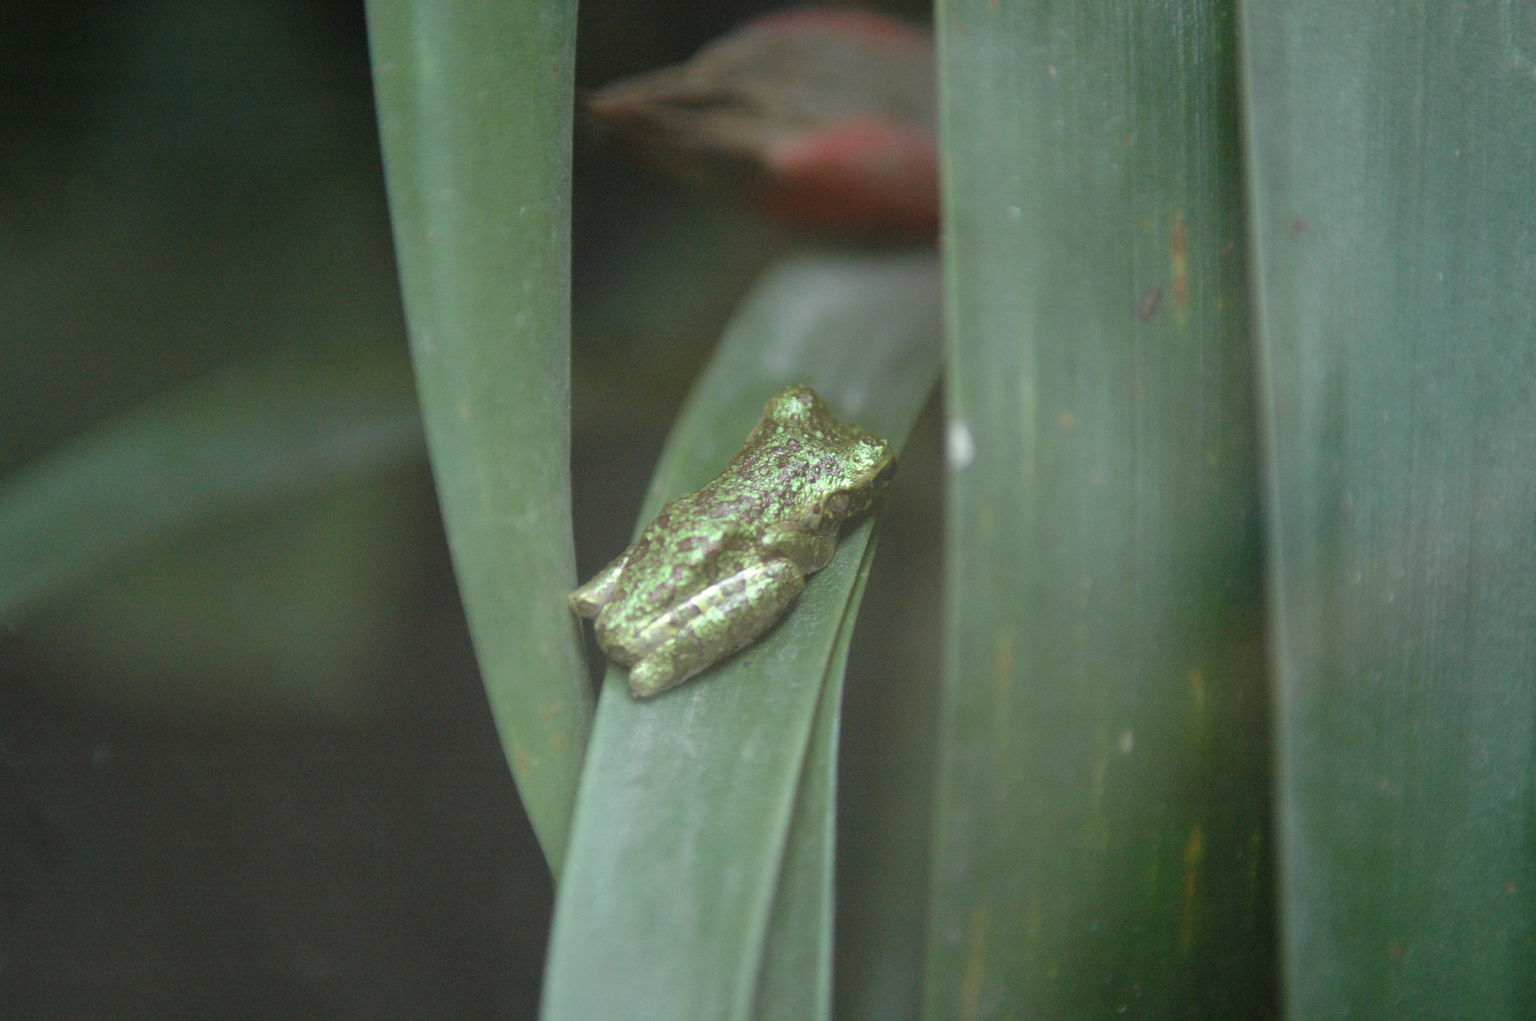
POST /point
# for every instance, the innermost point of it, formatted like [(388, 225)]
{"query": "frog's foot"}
[(589, 599), (718, 621)]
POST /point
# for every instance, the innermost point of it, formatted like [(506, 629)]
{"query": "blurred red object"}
[(824, 117)]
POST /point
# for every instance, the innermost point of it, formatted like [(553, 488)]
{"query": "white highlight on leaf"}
[(960, 445)]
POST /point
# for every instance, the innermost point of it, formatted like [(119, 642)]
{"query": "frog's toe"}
[(651, 677)]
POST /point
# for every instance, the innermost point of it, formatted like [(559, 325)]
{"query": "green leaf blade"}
[(1391, 156), (475, 115), (687, 799), (1101, 819), (261, 432)]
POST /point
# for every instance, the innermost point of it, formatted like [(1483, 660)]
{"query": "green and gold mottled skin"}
[(720, 566)]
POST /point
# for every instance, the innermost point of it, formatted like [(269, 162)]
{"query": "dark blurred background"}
[(249, 770)]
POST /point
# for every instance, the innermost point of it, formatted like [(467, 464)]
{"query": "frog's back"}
[(697, 540)]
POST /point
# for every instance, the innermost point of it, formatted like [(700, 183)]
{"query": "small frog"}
[(720, 566)]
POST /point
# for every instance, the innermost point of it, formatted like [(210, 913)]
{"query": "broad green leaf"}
[(244, 438), (474, 107), (215, 549), (1101, 820), (1393, 155), (686, 801), (285, 605)]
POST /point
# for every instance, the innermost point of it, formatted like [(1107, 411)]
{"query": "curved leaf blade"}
[(795, 980), (474, 105), (256, 433), (686, 801)]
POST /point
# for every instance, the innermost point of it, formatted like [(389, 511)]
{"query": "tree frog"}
[(720, 566)]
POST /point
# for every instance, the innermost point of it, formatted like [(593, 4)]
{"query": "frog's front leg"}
[(718, 621), (810, 548)]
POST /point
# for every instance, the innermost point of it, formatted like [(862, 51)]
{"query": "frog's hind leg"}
[(589, 599), (718, 621)]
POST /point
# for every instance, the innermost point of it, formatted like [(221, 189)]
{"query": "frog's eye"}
[(793, 403), (886, 474)]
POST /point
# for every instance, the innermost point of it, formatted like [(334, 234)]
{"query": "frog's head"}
[(872, 465), (854, 465)]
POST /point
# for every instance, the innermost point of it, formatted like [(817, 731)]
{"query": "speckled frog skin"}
[(720, 566)]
